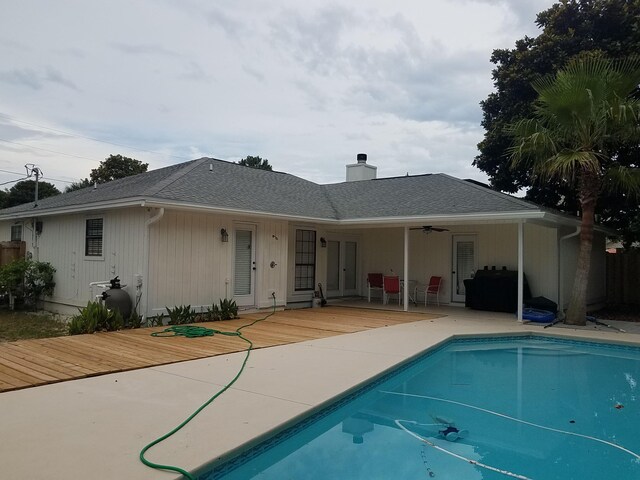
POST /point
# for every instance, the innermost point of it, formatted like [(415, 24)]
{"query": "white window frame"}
[(93, 257)]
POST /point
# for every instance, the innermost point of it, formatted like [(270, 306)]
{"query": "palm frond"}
[(622, 180), (567, 164)]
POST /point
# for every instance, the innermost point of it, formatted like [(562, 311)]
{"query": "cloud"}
[(145, 49), (36, 80), (403, 74)]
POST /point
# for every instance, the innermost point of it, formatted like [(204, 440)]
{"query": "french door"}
[(244, 276), (463, 264), (342, 276)]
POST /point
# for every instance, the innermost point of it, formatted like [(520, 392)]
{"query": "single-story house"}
[(207, 229)]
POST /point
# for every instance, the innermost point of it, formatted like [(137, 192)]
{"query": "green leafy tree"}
[(256, 162), (568, 28), (80, 184), (24, 192), (116, 166), (579, 116)]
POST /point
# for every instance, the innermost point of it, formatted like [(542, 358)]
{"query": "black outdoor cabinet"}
[(494, 290)]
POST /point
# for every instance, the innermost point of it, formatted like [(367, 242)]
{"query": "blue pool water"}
[(531, 408)]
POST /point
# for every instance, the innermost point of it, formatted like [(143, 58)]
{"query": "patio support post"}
[(520, 268), (406, 269)]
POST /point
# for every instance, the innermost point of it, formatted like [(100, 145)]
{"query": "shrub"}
[(228, 309), (28, 279), (95, 317), (179, 315), (38, 281)]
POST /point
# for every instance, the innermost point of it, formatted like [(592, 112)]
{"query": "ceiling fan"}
[(428, 229)]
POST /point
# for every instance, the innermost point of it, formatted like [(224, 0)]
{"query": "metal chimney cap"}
[(362, 158)]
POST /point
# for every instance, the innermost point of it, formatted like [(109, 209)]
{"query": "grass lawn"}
[(19, 325)]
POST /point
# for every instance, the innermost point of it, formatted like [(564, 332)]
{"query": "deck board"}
[(28, 363)]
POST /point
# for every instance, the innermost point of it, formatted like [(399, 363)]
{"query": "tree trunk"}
[(577, 312)]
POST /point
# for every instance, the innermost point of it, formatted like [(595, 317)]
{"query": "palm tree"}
[(581, 110)]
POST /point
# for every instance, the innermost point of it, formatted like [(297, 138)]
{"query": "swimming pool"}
[(511, 407)]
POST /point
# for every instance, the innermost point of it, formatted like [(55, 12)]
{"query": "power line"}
[(47, 150), (14, 119), (15, 173)]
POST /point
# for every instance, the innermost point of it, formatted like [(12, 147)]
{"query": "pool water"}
[(521, 407)]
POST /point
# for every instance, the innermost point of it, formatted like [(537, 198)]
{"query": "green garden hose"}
[(192, 332)]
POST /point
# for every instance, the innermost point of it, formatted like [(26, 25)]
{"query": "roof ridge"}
[(188, 166), (493, 192)]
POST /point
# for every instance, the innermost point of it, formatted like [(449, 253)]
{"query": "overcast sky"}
[(305, 84)]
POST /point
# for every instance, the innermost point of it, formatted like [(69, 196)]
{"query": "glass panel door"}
[(350, 273), (333, 268), (464, 264), (245, 267)]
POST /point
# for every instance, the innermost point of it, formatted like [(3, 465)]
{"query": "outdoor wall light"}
[(323, 242), (224, 235)]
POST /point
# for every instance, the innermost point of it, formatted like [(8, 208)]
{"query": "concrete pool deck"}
[(95, 427)]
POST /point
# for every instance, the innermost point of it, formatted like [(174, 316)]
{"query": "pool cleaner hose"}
[(200, 332)]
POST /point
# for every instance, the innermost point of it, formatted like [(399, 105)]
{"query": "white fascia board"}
[(234, 211), (72, 209), (503, 217)]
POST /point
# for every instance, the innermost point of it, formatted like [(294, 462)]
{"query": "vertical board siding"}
[(62, 244), (541, 260), (190, 265)]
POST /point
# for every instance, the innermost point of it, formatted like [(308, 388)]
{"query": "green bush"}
[(27, 279), (95, 317), (228, 309), (38, 281), (179, 315)]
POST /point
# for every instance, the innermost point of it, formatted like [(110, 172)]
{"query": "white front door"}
[(342, 276), (463, 264), (244, 277)]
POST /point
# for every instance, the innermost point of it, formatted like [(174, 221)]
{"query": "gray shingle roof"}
[(219, 184)]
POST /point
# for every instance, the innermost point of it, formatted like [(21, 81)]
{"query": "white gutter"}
[(561, 272), (147, 246)]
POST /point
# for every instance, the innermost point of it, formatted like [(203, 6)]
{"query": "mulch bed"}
[(625, 313)]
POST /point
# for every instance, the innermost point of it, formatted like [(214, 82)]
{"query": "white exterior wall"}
[(497, 245), (596, 290), (190, 265), (62, 244)]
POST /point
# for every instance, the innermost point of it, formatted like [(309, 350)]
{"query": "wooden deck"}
[(28, 363)]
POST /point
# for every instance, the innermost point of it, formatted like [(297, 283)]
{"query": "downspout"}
[(561, 273), (147, 232)]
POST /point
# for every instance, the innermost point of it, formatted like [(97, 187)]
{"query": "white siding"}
[(190, 265), (62, 244), (432, 254)]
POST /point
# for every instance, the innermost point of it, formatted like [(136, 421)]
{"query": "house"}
[(200, 231)]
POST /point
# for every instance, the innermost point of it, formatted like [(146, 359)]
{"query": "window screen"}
[(93, 238), (16, 233), (305, 273)]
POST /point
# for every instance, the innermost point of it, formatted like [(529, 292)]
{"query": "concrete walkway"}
[(95, 427)]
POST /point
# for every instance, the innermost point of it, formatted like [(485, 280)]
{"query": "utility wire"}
[(46, 150)]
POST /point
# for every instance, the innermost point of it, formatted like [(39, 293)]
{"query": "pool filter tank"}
[(117, 299)]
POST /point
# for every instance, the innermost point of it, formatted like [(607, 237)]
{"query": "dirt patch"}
[(621, 313)]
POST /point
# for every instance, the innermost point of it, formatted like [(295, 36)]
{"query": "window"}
[(16, 233), (93, 238), (305, 273)]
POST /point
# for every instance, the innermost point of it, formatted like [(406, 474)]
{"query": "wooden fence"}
[(623, 278), (10, 251)]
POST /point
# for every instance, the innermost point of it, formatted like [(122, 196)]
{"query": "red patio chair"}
[(435, 284), (390, 286), (374, 282)]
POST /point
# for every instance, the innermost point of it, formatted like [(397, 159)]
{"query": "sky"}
[(307, 85)]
